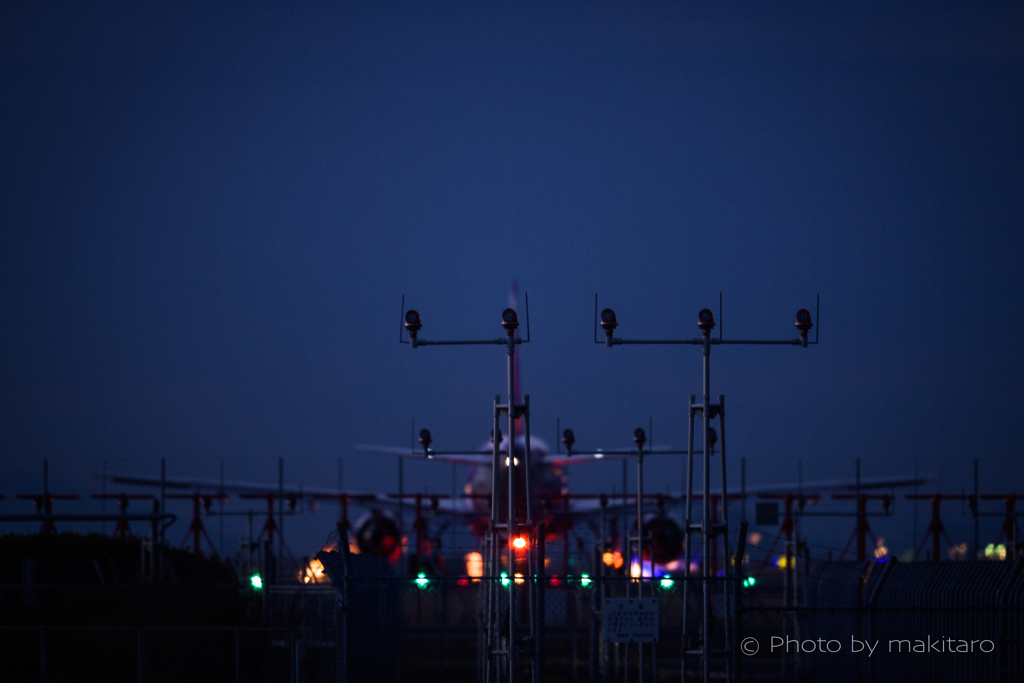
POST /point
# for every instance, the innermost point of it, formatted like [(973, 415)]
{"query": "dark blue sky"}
[(210, 215)]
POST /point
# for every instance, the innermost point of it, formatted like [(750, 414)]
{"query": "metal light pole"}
[(494, 629), (707, 529), (636, 540)]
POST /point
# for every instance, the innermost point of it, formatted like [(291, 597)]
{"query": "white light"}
[(598, 456)]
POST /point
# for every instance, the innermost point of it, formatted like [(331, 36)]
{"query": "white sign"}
[(631, 620)]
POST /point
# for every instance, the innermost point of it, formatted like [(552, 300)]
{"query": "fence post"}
[(1004, 618), (42, 654), (341, 634), (737, 605), (538, 645)]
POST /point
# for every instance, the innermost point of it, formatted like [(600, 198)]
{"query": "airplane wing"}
[(615, 504), (561, 459), (212, 486), (462, 458), (842, 484), (461, 508)]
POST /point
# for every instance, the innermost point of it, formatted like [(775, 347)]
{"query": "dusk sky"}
[(210, 216)]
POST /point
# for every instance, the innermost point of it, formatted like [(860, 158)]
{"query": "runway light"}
[(515, 461), (421, 580), (504, 579), (256, 581), (634, 570), (519, 543), (667, 583), (519, 578), (749, 582), (585, 580), (474, 564), (781, 562), (314, 574), (995, 552)]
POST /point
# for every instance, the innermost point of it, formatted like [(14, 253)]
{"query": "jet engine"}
[(377, 534), (666, 538)]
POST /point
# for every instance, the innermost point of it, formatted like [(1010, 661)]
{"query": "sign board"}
[(631, 620)]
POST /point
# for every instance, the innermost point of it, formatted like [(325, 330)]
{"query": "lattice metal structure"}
[(699, 646), (516, 533)]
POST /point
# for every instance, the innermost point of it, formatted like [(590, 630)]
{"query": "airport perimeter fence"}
[(398, 629), (431, 629), (862, 622), (857, 622), (152, 654)]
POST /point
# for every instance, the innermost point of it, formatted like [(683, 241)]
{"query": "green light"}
[(749, 581), (667, 583), (256, 581), (421, 580), (585, 580), (504, 579)]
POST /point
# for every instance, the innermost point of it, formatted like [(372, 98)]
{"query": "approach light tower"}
[(707, 528), (497, 626)]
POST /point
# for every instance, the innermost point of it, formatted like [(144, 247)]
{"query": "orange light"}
[(617, 560), (519, 542), (608, 558), (475, 564), (314, 574), (519, 578)]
